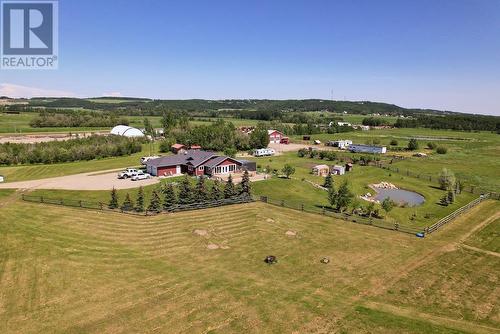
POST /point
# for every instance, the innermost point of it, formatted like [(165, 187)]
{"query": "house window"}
[(200, 168)]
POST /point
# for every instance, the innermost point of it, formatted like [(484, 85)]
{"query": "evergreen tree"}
[(216, 193), (245, 187), (201, 191), (113, 202), (344, 197), (229, 190), (127, 205), (169, 198), (413, 144), (139, 203), (328, 181), (185, 191), (444, 200), (155, 204), (332, 196), (451, 196)]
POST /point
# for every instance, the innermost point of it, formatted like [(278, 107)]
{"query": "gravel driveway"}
[(103, 180)]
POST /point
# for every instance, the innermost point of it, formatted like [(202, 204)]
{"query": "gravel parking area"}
[(103, 180)]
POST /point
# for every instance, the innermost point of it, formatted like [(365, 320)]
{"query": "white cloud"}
[(12, 90), (112, 94)]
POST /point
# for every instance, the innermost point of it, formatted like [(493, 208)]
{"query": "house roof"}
[(321, 167), (177, 146), (193, 157), (272, 131), (217, 160)]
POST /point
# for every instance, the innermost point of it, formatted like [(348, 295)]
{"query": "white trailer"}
[(263, 152)]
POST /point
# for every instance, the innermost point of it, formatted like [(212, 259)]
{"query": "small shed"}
[(348, 167), (1, 178), (338, 170), (321, 170), (285, 140), (306, 137), (176, 148)]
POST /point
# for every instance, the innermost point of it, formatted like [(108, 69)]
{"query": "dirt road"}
[(104, 180)]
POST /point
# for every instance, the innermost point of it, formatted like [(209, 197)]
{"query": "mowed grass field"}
[(66, 270), (472, 156)]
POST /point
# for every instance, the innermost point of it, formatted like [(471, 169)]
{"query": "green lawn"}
[(66, 270), (299, 192), (473, 156)]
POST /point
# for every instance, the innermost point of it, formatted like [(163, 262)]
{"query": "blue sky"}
[(441, 54)]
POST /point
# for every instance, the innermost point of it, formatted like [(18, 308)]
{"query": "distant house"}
[(356, 148), (177, 148), (195, 147), (321, 170), (338, 170), (274, 136), (193, 162)]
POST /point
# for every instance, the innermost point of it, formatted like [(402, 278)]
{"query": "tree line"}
[(89, 148), (183, 193), (76, 118), (452, 122)]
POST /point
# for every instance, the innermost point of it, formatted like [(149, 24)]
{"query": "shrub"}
[(431, 145), (441, 150), (394, 142), (413, 144)]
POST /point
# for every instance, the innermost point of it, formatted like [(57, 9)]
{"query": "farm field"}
[(69, 270), (472, 156)]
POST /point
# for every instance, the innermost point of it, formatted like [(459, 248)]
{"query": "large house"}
[(194, 162)]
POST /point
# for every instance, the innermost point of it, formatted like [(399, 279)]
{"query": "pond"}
[(399, 196)]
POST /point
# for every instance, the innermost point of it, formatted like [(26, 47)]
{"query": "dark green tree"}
[(451, 196), (139, 203), (370, 208), (328, 181), (185, 191), (413, 144), (201, 190), (127, 205), (444, 200), (288, 170), (155, 204), (332, 196), (113, 202), (169, 197), (259, 138), (344, 197), (168, 122), (229, 189), (245, 186), (216, 192)]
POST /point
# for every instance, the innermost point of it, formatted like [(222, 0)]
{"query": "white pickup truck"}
[(129, 172)]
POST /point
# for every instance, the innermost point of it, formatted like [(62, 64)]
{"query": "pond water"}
[(400, 196)]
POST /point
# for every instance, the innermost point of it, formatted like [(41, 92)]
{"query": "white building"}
[(126, 131), (1, 178), (263, 152)]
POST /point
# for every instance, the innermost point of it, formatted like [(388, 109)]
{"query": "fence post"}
[(282, 203), (61, 202), (100, 205), (80, 203), (22, 197), (302, 207), (324, 211), (41, 199)]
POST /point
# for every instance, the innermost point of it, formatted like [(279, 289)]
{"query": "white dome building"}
[(127, 131)]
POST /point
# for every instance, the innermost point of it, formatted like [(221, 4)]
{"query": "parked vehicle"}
[(263, 152), (129, 172), (140, 176)]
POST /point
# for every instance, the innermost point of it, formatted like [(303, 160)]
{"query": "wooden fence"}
[(103, 207), (352, 218), (454, 214)]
